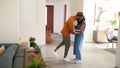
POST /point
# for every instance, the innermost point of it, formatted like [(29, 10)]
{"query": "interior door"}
[(50, 17), (65, 10)]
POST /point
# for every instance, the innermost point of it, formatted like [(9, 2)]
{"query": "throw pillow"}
[(2, 49)]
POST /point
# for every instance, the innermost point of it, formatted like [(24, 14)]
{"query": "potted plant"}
[(113, 22), (34, 45), (98, 19)]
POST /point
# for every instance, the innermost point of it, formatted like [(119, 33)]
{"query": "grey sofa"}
[(13, 56)]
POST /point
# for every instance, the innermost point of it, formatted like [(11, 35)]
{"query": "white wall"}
[(117, 63), (76, 6), (58, 17), (89, 15), (8, 21), (40, 20), (32, 20), (118, 42)]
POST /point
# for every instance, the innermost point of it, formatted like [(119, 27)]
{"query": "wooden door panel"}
[(50, 16)]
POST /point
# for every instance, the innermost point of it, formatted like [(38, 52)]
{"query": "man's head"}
[(79, 15)]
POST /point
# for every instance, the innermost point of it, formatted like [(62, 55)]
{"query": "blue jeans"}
[(78, 42)]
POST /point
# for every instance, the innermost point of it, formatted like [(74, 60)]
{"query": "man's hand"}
[(77, 31)]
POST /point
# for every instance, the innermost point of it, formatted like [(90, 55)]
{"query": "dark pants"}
[(66, 42)]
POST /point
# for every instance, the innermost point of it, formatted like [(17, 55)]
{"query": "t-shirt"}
[(81, 25), (68, 26)]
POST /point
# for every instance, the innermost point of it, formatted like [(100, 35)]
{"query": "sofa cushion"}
[(6, 60), (19, 57), (18, 62), (20, 51)]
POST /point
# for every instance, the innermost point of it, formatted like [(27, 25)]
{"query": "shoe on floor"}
[(78, 61), (55, 53), (66, 59)]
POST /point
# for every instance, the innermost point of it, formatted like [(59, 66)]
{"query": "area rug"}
[(111, 50)]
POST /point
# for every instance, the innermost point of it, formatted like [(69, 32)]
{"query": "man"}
[(66, 31)]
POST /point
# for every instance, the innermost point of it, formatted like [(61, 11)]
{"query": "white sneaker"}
[(67, 60), (55, 53), (78, 61)]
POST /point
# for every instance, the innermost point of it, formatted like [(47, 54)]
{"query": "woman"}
[(78, 41)]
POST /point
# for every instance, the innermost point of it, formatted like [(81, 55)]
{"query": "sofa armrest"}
[(6, 60)]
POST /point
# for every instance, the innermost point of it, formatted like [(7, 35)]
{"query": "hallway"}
[(92, 56)]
